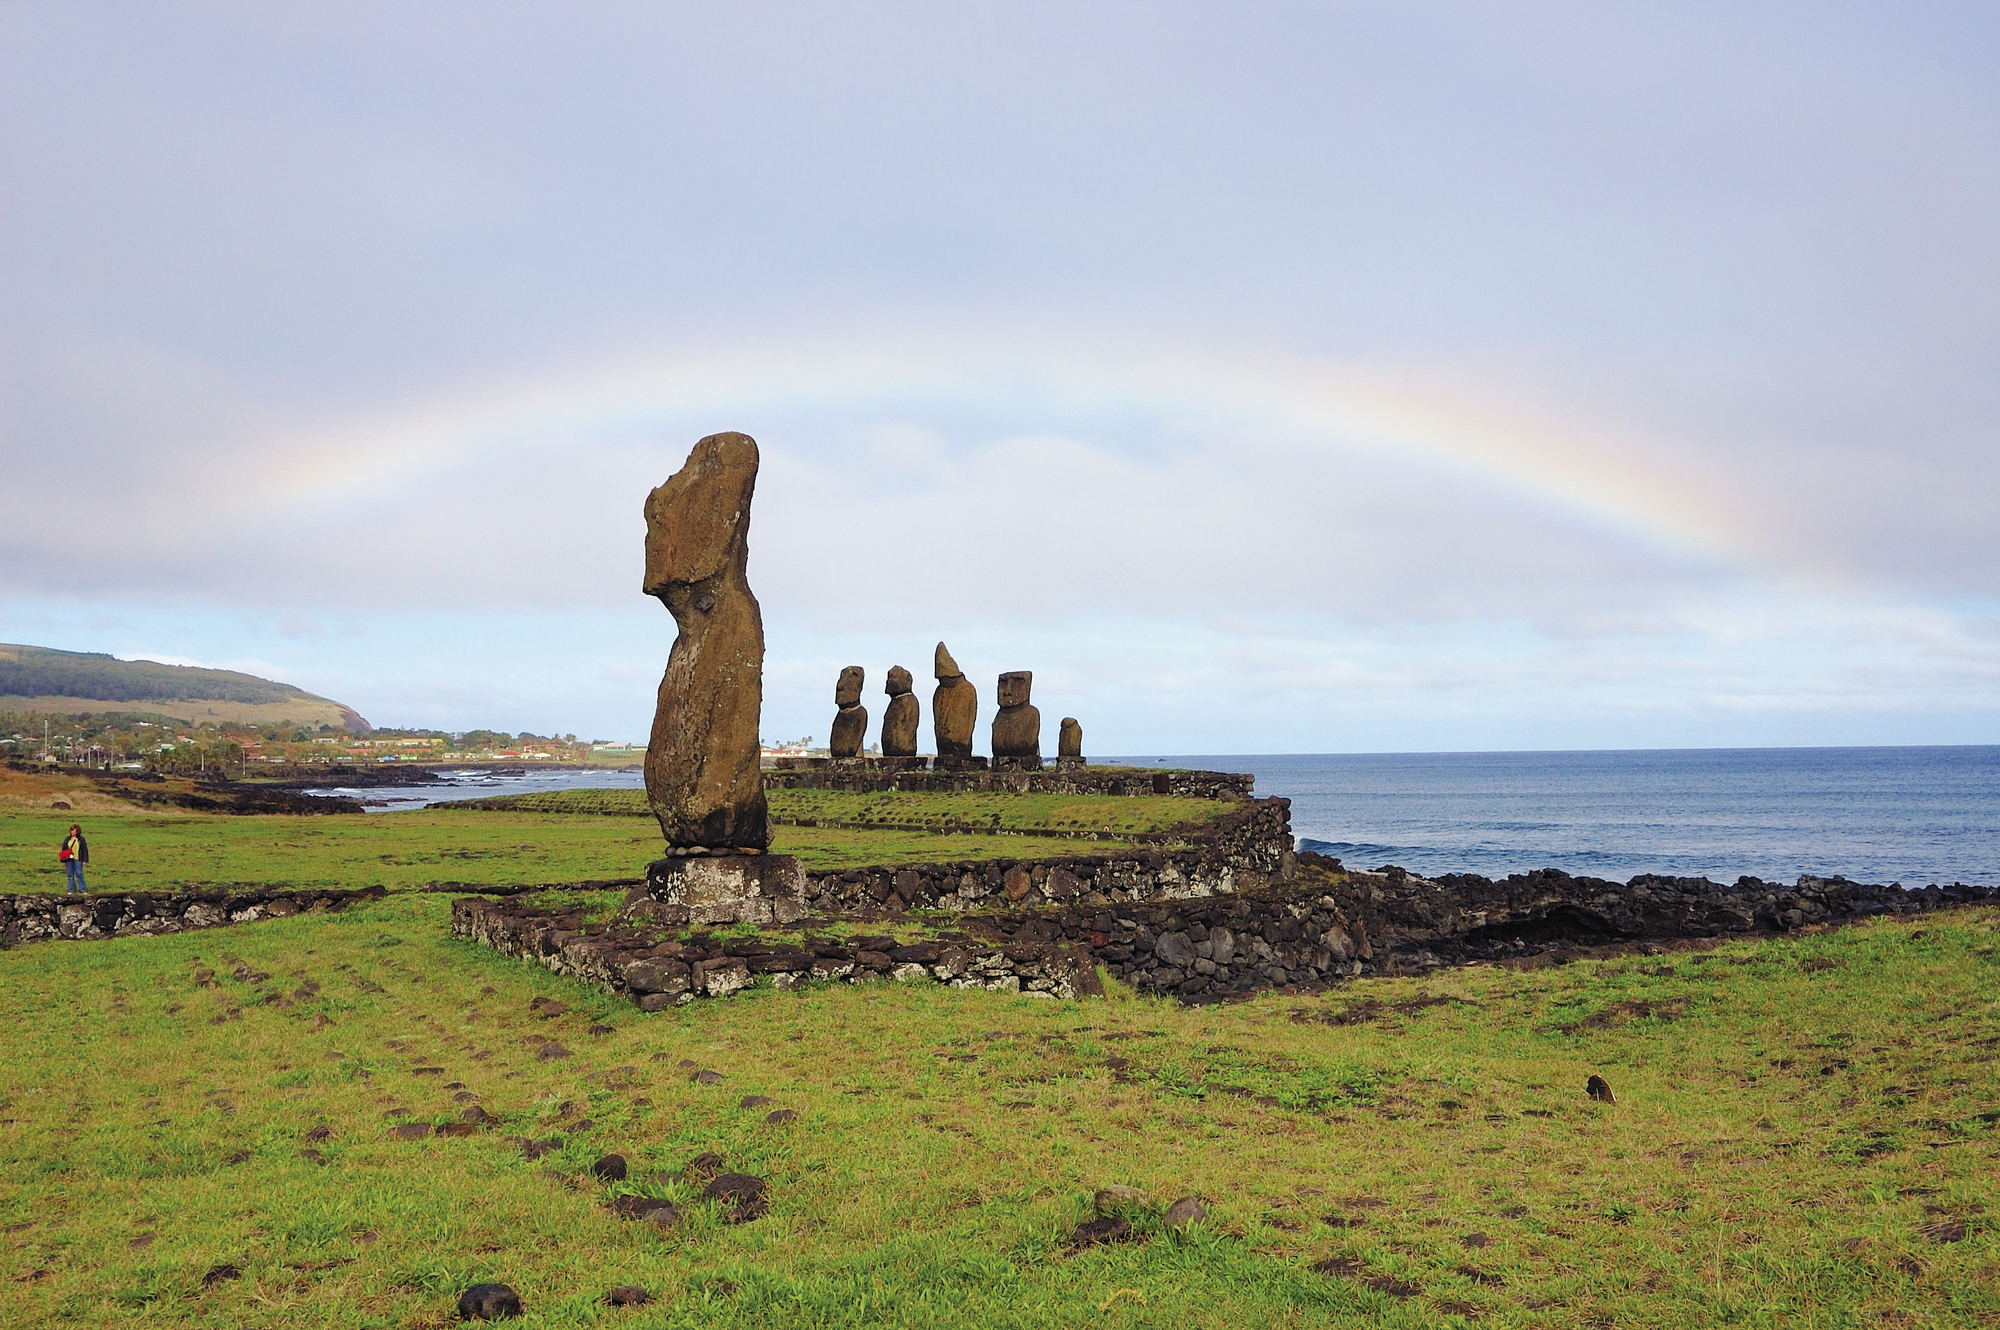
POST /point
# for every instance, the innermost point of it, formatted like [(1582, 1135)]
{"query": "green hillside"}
[(43, 679)]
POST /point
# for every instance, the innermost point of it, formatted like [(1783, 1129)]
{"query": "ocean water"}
[(472, 783), (1909, 815)]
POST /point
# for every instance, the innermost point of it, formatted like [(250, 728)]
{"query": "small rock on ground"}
[(1110, 1228), (1112, 1197), (488, 1302), (755, 1101), (611, 1168), (1187, 1210), (781, 1117), (703, 1167), (741, 1196), (628, 1295)]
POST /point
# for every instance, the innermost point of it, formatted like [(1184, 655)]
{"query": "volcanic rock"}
[(899, 722), (702, 775), (850, 723), (1017, 726), (488, 1302), (1069, 740), (954, 707)]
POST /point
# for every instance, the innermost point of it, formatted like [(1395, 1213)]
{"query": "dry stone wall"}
[(658, 971), (910, 775), (1243, 851), (43, 918)]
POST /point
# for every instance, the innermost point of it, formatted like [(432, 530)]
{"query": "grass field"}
[(595, 837), (1048, 812), (1804, 1136)]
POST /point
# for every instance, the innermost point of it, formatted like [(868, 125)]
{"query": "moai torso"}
[(899, 721), (850, 723), (1017, 726)]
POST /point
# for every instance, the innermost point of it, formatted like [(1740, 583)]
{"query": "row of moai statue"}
[(1017, 727)]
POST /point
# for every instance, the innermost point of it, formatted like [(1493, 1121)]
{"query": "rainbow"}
[(1419, 418)]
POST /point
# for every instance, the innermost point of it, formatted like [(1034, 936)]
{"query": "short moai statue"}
[(954, 710), (1017, 726), (899, 722), (850, 723), (1069, 743)]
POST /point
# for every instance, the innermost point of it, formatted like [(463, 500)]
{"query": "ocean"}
[(1909, 815)]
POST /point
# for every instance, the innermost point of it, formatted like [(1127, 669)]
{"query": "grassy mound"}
[(1803, 1137)]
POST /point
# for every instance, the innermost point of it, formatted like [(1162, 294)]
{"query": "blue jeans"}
[(74, 870)]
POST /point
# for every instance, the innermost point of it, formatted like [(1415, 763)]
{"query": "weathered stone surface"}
[(702, 774), (727, 889), (611, 1168), (740, 1197), (850, 723), (1017, 726), (629, 1295), (1069, 739), (954, 707), (1111, 1228), (1187, 1210), (488, 1302), (899, 722)]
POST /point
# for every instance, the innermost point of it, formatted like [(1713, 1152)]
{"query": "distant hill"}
[(43, 679)]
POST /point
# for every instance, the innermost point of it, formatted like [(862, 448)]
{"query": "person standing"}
[(75, 853)]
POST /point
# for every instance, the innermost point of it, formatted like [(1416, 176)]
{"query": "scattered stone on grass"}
[(427, 1071), (240, 1157), (1395, 1288), (600, 1029), (581, 1124), (1113, 1197), (703, 1166), (755, 1101), (1599, 1089), (533, 1150), (550, 1052), (706, 1077), (651, 1209), (1476, 1241), (781, 1117), (411, 1131), (1949, 1229), (218, 1274), (457, 1129), (143, 1241), (320, 1133), (313, 1157), (741, 1197), (611, 1168), (1338, 1267), (488, 1302), (1107, 1228), (547, 1008), (1187, 1210), (478, 1117), (628, 1295)]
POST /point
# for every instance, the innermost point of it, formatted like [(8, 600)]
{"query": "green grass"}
[(1794, 1116), (1049, 812), (145, 852)]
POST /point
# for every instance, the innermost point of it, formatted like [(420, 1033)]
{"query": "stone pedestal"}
[(1017, 763), (898, 763), (1071, 764), (729, 888), (943, 763)]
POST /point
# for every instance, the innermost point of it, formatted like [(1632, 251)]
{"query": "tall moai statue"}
[(850, 723), (954, 709), (702, 776), (1017, 726), (899, 722), (1069, 743)]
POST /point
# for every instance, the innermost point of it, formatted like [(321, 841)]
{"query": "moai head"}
[(847, 692), (899, 681), (946, 668), (1014, 687)]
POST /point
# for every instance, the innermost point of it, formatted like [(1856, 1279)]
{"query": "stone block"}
[(731, 888)]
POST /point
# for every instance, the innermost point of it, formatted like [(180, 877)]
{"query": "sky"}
[(1266, 378)]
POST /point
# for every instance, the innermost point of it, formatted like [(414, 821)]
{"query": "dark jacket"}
[(82, 848)]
